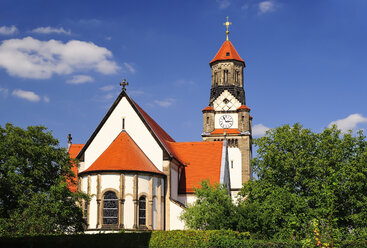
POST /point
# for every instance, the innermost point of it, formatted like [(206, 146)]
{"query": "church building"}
[(140, 178)]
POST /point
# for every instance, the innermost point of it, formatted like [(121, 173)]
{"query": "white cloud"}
[(4, 91), (109, 96), (107, 88), (32, 58), (129, 67), (80, 79), (259, 130), (223, 4), (350, 122), (136, 92), (165, 103), (50, 30), (27, 95), (266, 6), (8, 30)]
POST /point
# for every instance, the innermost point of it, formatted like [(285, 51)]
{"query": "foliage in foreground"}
[(155, 239), (303, 178), (34, 197)]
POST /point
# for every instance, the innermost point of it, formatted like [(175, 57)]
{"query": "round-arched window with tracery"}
[(110, 208)]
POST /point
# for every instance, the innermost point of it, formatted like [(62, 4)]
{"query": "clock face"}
[(225, 121)]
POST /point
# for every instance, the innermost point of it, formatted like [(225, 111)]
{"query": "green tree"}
[(34, 194), (305, 176), (213, 209)]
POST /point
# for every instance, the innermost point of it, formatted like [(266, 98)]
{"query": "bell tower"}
[(227, 116)]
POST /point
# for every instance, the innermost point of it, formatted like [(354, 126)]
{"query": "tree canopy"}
[(34, 177), (303, 178), (213, 209)]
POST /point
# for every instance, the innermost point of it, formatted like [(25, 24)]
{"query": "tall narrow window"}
[(243, 119), (123, 123), (110, 208), (142, 211), (225, 76), (215, 78), (232, 164), (207, 120), (85, 212)]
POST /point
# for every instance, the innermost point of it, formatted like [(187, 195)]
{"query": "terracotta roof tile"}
[(207, 108), (227, 52), (74, 149), (202, 160), (243, 107), (228, 131), (251, 117), (123, 154)]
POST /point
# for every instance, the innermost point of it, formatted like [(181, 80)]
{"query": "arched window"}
[(142, 211), (110, 208)]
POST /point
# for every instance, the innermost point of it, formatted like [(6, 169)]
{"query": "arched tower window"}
[(142, 210), (110, 208), (225, 79)]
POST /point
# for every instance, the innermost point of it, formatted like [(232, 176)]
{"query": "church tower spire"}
[(227, 114)]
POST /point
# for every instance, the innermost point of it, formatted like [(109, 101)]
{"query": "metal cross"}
[(227, 23), (69, 138), (124, 84)]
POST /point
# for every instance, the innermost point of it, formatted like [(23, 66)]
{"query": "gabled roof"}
[(158, 133), (227, 52), (201, 160), (123, 154), (74, 149)]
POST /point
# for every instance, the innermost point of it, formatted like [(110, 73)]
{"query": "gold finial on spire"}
[(227, 23)]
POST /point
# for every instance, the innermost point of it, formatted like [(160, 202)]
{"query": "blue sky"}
[(61, 61)]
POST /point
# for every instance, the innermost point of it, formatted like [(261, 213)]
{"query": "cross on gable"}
[(124, 84)]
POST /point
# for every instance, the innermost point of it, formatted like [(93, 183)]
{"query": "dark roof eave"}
[(137, 171)]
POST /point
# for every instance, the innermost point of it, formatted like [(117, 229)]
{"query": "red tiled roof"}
[(207, 108), (74, 149), (228, 131), (250, 117), (159, 132), (243, 107), (123, 155), (227, 52), (202, 160)]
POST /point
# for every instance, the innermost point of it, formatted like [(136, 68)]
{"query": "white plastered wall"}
[(175, 212), (93, 201), (134, 127), (187, 198), (111, 181), (129, 212), (129, 204), (234, 155), (143, 185)]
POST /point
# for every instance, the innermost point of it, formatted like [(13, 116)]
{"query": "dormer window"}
[(227, 54)]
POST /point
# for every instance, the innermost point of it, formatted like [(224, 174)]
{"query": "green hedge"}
[(155, 239)]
